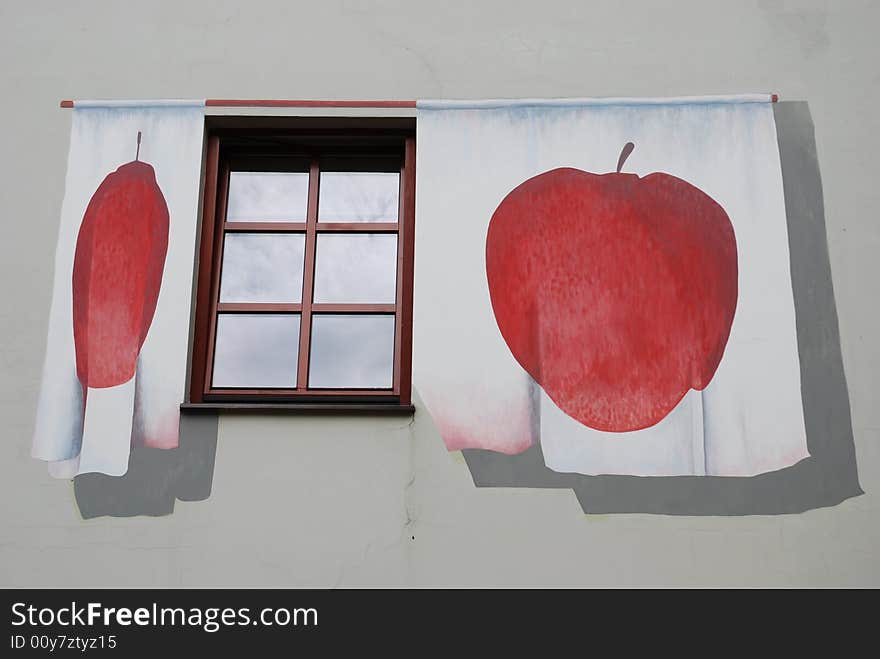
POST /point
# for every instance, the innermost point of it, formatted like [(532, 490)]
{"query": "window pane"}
[(356, 268), (352, 351), (358, 197), (262, 267), (268, 196), (256, 350)]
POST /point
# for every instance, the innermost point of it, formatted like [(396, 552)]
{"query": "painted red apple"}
[(615, 292), (117, 273)]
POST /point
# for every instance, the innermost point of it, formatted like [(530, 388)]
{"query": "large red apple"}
[(117, 273), (615, 292)]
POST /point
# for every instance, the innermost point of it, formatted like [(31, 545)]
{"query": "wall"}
[(322, 501)]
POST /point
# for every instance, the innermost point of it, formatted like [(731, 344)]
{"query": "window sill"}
[(367, 409)]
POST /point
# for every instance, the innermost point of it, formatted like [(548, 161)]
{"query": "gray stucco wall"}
[(366, 501)]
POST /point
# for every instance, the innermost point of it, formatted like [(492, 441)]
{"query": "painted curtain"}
[(717, 160), (116, 356)]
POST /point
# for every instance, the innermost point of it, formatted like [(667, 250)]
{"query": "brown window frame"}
[(274, 145)]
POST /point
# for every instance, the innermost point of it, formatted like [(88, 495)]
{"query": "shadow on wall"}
[(156, 478), (829, 475)]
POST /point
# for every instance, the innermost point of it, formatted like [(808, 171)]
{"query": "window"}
[(305, 267)]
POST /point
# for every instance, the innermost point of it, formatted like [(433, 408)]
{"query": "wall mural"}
[(659, 336), (637, 324), (116, 355)]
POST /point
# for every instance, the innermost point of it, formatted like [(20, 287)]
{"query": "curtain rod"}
[(430, 104), (243, 103)]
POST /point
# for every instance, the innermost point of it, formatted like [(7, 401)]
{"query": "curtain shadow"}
[(156, 478)]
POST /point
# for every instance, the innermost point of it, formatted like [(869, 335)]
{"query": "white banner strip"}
[(499, 103)]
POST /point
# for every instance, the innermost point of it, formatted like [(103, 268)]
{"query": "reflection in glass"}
[(358, 197), (262, 267), (267, 197), (356, 268), (256, 350), (352, 351)]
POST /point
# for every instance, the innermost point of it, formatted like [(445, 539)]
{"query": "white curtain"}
[(747, 421), (74, 438)]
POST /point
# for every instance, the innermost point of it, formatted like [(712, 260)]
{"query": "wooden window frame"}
[(319, 141)]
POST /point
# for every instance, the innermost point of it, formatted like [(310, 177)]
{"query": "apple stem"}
[(624, 154), (138, 152)]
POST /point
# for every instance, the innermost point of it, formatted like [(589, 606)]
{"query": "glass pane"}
[(352, 351), (268, 197), (262, 267), (256, 350), (358, 197), (356, 268)]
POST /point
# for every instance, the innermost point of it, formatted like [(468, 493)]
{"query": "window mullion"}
[(305, 325)]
